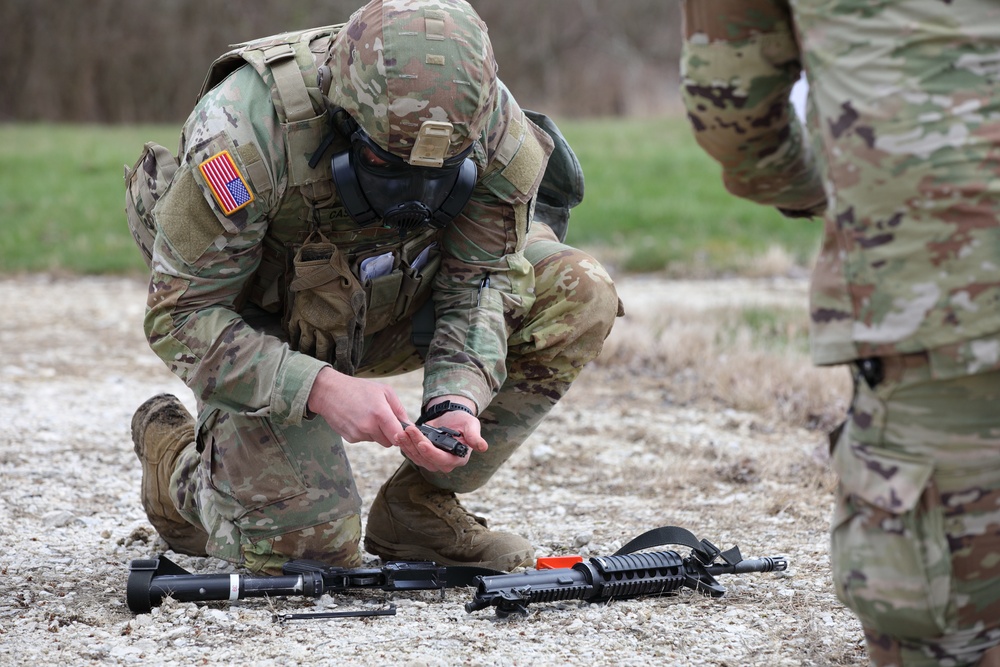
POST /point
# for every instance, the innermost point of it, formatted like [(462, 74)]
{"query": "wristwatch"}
[(439, 409)]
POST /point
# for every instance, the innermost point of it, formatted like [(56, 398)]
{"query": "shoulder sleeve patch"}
[(519, 163), (226, 182), (185, 219)]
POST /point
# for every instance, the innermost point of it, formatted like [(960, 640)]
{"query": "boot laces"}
[(448, 502)]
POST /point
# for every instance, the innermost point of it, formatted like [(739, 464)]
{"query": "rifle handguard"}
[(594, 580), (611, 577)]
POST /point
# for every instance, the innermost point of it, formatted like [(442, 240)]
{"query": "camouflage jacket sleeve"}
[(208, 246), (739, 64), (485, 285)]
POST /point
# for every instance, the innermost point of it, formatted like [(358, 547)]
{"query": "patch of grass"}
[(767, 328), (753, 358), (654, 202), (62, 197)]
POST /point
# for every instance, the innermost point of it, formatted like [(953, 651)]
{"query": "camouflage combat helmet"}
[(399, 63)]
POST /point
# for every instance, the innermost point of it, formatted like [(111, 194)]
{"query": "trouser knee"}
[(334, 542), (266, 493), (575, 305)]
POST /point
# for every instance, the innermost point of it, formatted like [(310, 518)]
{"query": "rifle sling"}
[(673, 535)]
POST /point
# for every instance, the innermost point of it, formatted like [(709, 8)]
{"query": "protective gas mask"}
[(375, 185)]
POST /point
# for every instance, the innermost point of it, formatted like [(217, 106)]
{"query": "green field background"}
[(654, 202)]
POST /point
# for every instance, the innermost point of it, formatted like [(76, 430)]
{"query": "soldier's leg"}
[(416, 514), (916, 540), (575, 307), (266, 494), (162, 432), (411, 518), (244, 489)]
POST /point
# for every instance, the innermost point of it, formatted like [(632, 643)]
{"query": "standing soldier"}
[(352, 202), (903, 163)]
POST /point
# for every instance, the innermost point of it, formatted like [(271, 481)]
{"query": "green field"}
[(62, 197), (653, 201)]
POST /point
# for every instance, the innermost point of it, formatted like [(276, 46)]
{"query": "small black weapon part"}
[(445, 439)]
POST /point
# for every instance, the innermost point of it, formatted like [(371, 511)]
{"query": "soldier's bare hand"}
[(422, 452), (359, 410)]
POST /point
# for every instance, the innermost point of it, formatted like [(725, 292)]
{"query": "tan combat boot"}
[(414, 520), (161, 429)]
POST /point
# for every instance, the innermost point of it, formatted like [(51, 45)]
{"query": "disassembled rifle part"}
[(630, 572), (445, 439)]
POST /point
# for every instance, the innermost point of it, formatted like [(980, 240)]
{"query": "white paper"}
[(373, 267), (421, 259)]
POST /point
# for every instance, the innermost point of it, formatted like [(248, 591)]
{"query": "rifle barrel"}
[(766, 564)]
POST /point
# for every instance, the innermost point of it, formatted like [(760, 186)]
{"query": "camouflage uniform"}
[(900, 159), (518, 313)]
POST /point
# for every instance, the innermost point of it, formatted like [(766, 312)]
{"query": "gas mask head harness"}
[(377, 186)]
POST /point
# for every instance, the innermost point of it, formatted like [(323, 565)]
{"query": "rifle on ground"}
[(624, 575), (151, 580)]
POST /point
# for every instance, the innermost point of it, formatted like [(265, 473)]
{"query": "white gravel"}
[(614, 460)]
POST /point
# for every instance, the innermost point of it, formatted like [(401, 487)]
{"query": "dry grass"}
[(746, 357)]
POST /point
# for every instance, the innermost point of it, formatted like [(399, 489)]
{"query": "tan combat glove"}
[(326, 316)]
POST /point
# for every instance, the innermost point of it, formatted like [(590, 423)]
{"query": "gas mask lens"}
[(375, 185)]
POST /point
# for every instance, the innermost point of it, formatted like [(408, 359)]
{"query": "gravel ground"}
[(616, 458)]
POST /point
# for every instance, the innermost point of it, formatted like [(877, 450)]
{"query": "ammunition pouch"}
[(396, 294), (333, 302)]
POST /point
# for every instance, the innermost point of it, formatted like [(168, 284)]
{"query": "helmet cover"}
[(399, 63)]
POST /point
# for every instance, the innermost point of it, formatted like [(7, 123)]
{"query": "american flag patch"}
[(226, 182)]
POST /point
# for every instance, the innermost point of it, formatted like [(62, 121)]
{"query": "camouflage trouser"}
[(266, 493), (915, 546)]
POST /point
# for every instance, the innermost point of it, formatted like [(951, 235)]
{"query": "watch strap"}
[(439, 409)]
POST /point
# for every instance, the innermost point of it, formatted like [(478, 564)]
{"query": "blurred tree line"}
[(126, 61)]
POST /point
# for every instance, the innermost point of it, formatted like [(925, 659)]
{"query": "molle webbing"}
[(289, 83), (292, 61), (289, 64)]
